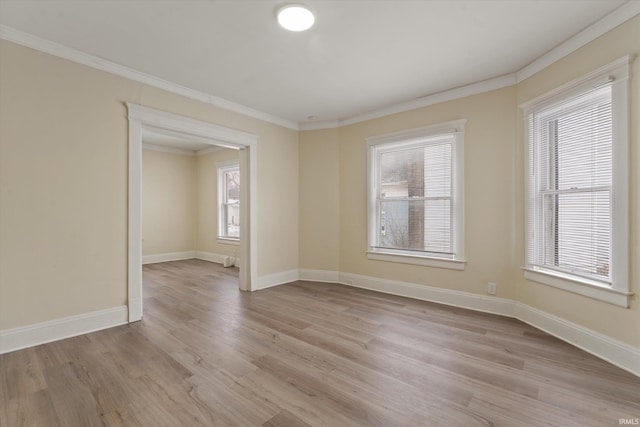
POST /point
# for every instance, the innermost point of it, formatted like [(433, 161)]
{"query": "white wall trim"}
[(602, 346), (165, 149), (487, 304), (436, 98), (141, 118), (616, 352), (47, 46), (325, 276), (170, 256), (217, 258), (67, 327), (615, 18), (276, 279), (589, 34)]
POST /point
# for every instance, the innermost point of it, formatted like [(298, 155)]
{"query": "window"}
[(229, 202), (577, 208), (415, 196)]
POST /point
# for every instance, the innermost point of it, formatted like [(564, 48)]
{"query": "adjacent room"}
[(324, 213)]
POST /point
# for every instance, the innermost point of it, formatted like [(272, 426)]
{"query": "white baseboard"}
[(211, 257), (468, 300), (325, 276), (616, 352), (171, 256), (277, 279), (54, 330)]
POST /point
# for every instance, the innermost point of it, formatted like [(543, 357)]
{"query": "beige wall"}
[(494, 200), (620, 323), (63, 200), (63, 169), (207, 211), (320, 200), (169, 202), (489, 194)]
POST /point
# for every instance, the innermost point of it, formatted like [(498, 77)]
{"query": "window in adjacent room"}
[(229, 201), (416, 196), (577, 185)]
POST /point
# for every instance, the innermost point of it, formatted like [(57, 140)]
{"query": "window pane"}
[(423, 225), (232, 213), (232, 179), (584, 148), (229, 201), (577, 232)]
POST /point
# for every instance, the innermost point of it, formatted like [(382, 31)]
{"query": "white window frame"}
[(408, 137), (617, 292), (224, 167)]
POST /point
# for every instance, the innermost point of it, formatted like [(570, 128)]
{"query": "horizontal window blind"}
[(570, 206)]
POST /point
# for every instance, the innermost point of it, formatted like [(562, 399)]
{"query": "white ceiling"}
[(360, 55), (162, 139)]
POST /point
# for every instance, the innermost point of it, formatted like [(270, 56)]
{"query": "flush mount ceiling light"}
[(295, 17)]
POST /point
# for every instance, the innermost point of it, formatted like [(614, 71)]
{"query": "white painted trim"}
[(325, 124), (616, 352), (451, 264), (602, 346), (209, 150), (615, 18), (325, 276), (66, 52), (228, 241), (616, 74), (67, 327), (589, 34), (276, 279), (165, 149), (487, 304), (140, 118), (170, 256), (217, 258), (577, 286), (436, 98)]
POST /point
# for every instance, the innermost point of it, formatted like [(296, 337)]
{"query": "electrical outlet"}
[(491, 288)]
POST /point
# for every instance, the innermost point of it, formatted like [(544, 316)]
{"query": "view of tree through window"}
[(230, 201), (415, 198)]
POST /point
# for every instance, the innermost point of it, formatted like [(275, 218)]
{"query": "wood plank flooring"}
[(307, 354)]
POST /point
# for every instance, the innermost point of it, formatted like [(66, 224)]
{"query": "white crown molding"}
[(615, 18), (66, 52), (592, 32), (165, 149), (54, 330), (436, 98), (323, 124)]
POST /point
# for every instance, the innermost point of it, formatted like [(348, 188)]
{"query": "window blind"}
[(415, 203), (570, 190)]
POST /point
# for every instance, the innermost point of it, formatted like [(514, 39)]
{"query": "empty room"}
[(319, 213)]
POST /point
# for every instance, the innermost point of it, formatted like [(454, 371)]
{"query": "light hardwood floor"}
[(307, 354)]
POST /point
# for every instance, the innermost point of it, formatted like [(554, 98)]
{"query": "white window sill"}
[(228, 241), (417, 260), (578, 285)]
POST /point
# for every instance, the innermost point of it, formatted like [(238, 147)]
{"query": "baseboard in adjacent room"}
[(67, 327), (276, 279), (171, 256)]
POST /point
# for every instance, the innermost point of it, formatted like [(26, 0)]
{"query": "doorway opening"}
[(144, 120)]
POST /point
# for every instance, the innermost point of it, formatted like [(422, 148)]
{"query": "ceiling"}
[(360, 55), (163, 139)]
